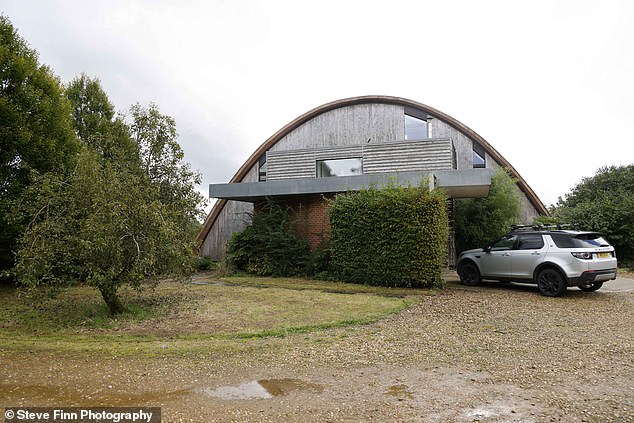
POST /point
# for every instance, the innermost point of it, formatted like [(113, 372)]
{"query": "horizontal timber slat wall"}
[(397, 156)]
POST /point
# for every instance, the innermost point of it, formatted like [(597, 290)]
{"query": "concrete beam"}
[(456, 183)]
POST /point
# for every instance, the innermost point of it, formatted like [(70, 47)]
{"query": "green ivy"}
[(269, 246), (394, 236)]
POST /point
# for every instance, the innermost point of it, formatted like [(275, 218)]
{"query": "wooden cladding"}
[(399, 156)]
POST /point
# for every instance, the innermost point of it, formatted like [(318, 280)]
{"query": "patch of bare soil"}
[(486, 354), (626, 274)]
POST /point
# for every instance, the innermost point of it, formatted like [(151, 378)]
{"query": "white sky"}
[(548, 83)]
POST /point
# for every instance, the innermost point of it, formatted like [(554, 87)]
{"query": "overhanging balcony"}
[(467, 183)]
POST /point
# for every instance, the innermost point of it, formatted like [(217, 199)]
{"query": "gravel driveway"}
[(493, 353)]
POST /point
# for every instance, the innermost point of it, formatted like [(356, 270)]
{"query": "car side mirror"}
[(487, 249)]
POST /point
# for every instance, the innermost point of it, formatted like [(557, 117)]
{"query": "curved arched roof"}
[(253, 159)]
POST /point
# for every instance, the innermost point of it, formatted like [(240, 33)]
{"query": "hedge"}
[(394, 236)]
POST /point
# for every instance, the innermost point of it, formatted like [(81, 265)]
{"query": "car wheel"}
[(551, 283), (591, 288), (469, 274)]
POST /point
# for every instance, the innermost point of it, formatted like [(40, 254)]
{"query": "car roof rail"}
[(519, 228), (559, 226), (546, 227)]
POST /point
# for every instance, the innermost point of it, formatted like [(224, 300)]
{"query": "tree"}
[(121, 216), (603, 203), (480, 220), (95, 121), (162, 160), (35, 129), (104, 226)]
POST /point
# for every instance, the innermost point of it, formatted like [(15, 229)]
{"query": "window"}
[(262, 173), (339, 167), (262, 168), (505, 243), (479, 156), (415, 124), (415, 129), (531, 242), (580, 241)]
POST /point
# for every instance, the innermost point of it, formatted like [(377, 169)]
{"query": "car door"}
[(530, 252), (496, 260)]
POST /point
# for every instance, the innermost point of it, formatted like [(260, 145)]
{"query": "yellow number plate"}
[(604, 255)]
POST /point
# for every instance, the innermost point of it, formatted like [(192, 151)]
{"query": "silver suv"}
[(553, 259)]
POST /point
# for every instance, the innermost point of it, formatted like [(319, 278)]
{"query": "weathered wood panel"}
[(427, 155), (462, 143), (233, 218), (351, 125)]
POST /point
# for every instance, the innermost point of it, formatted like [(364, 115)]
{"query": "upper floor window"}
[(479, 156), (415, 124), (339, 167), (262, 168)]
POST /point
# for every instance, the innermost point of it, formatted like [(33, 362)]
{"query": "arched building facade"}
[(347, 145)]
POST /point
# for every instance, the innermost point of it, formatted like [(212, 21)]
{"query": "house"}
[(347, 145)]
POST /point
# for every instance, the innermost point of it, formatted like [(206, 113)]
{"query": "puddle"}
[(480, 413), (400, 392), (261, 389)]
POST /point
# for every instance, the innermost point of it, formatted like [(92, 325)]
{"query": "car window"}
[(563, 240), (504, 243), (531, 242), (591, 240), (579, 241)]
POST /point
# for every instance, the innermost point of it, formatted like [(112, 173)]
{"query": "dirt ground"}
[(495, 353)]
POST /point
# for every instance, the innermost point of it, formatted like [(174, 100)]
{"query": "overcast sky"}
[(549, 84)]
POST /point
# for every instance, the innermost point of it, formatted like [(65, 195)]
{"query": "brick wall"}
[(311, 219)]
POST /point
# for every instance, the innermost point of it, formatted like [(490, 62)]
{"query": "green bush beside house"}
[(393, 236)]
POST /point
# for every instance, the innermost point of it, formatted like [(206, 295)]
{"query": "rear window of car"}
[(579, 241)]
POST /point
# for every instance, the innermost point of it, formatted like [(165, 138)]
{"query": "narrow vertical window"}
[(262, 168), (479, 156)]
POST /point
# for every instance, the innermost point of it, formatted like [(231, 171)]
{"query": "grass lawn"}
[(191, 315)]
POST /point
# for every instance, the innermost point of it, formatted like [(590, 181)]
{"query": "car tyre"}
[(551, 283), (469, 274), (591, 288)]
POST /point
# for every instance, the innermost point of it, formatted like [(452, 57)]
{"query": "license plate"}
[(604, 255)]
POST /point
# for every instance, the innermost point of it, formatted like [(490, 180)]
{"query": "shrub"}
[(205, 263), (268, 246), (393, 236), (603, 203), (478, 221)]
